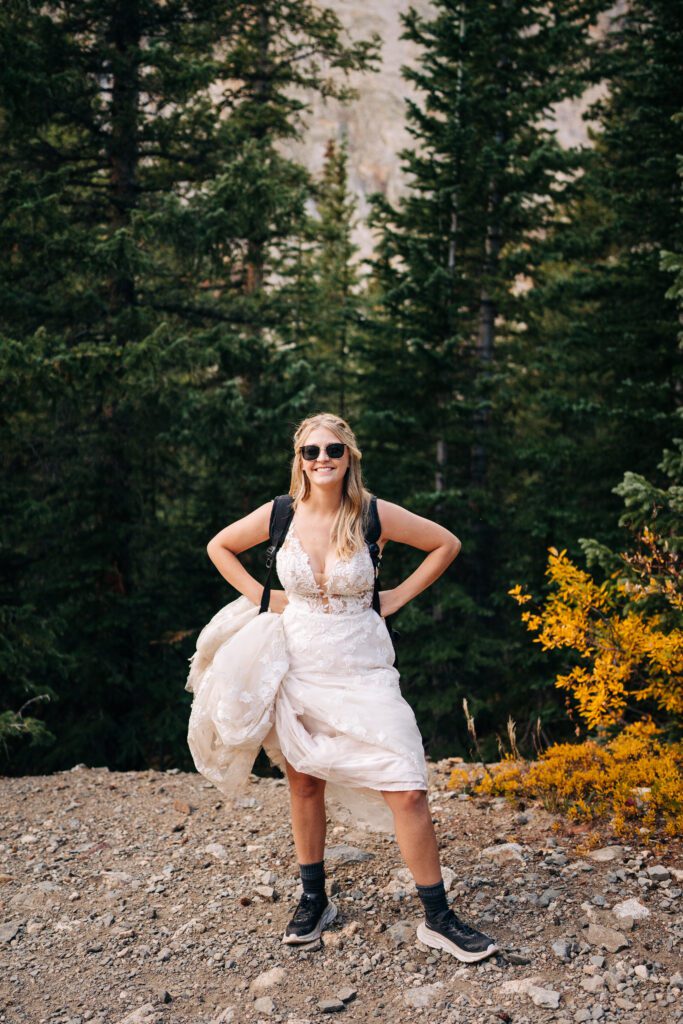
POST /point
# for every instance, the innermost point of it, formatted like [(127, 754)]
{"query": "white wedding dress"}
[(315, 685)]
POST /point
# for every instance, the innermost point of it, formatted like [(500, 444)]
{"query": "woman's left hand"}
[(388, 603)]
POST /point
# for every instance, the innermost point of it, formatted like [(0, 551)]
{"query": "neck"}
[(326, 503)]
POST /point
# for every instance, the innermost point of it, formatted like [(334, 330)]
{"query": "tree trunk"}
[(123, 147)]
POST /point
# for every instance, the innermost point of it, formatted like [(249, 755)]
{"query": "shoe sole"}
[(328, 915), (437, 941)]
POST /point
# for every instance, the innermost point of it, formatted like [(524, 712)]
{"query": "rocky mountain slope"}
[(374, 123), (146, 897)]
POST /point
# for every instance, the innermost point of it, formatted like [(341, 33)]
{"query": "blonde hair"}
[(348, 528)]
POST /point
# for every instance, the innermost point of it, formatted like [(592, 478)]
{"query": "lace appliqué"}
[(349, 585)]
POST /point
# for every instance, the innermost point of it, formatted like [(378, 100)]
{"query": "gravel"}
[(146, 898)]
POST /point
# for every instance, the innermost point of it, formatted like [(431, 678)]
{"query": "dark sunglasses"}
[(312, 451)]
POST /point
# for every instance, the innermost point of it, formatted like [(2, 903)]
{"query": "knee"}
[(306, 787), (407, 801)]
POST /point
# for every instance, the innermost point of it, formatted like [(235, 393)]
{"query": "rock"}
[(593, 983), (266, 891), (448, 878), (582, 1015), (114, 879), (624, 1004), (641, 972), (607, 853), (401, 932), (424, 995), (164, 954), (504, 853), (562, 948), (331, 1005), (516, 958), (345, 854), (519, 985), (264, 1004), (630, 908), (396, 887), (608, 938), (145, 1014), (548, 896), (268, 979), (9, 930), (658, 873), (545, 997), (217, 850), (676, 980), (226, 1016), (346, 994)]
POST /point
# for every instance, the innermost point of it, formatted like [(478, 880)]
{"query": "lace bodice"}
[(348, 587)]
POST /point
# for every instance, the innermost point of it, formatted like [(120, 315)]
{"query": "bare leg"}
[(415, 833), (309, 820)]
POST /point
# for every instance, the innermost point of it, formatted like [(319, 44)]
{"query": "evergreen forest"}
[(177, 293)]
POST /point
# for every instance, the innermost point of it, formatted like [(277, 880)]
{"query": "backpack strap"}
[(280, 518), (373, 532)]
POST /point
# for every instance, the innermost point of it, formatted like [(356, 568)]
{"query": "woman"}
[(339, 720)]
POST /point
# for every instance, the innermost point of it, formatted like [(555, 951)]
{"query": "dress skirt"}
[(318, 689)]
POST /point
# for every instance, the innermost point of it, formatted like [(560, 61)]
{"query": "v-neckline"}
[(293, 530)]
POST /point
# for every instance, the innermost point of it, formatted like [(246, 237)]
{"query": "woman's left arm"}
[(404, 527)]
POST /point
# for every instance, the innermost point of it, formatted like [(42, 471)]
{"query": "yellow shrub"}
[(634, 779), (627, 655)]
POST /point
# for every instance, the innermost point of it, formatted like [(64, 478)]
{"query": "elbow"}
[(454, 546)]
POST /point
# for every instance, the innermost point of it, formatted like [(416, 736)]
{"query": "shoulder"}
[(392, 518), (406, 527), (390, 512)]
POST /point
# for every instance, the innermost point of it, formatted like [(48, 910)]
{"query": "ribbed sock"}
[(313, 877), (433, 900)]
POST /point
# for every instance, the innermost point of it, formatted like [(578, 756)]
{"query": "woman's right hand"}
[(278, 601)]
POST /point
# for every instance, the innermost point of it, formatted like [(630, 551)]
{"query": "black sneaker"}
[(456, 937), (312, 915)]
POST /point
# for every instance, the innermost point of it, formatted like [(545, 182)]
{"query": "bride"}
[(324, 699)]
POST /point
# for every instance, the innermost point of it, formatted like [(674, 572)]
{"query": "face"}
[(324, 471)]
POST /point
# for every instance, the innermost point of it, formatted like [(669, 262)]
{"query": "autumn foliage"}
[(624, 638)]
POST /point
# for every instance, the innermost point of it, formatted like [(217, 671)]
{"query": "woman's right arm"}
[(224, 548)]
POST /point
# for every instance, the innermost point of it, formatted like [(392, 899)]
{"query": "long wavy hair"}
[(348, 528)]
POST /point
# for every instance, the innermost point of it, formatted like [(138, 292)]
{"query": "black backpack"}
[(281, 517)]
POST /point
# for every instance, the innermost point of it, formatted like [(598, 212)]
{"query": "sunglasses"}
[(310, 452)]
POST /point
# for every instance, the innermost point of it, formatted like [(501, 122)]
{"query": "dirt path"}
[(146, 897)]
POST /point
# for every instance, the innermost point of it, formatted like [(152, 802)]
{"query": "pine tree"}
[(484, 174), (146, 215)]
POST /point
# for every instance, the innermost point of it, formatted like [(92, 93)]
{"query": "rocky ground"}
[(146, 897)]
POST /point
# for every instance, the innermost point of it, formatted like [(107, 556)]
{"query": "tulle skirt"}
[(315, 688)]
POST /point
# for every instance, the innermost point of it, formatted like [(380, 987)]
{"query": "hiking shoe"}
[(312, 915), (456, 937)]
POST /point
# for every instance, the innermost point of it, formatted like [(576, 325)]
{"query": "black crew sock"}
[(313, 878), (433, 900)]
